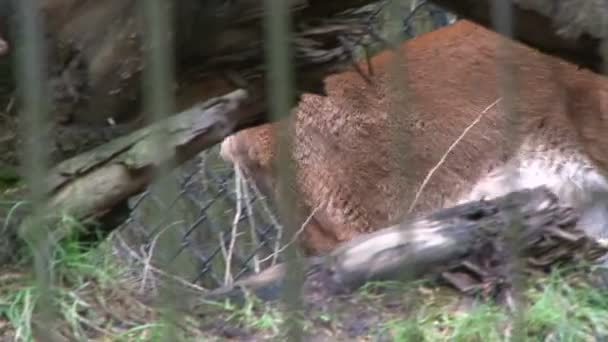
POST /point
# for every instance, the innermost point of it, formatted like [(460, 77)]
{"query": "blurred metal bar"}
[(280, 92), (158, 86), (36, 138), (502, 15)]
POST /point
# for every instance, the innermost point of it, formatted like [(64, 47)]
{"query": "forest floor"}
[(94, 297)]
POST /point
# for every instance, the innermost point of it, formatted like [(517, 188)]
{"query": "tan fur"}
[(363, 151)]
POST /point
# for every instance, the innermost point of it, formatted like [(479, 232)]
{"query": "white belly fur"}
[(572, 177)]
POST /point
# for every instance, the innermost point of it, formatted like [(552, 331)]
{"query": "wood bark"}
[(470, 246), (93, 186)]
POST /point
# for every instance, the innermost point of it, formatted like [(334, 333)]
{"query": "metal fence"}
[(229, 230), (207, 189), (203, 223), (224, 229)]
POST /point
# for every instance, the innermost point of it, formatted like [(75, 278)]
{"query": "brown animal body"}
[(363, 151)]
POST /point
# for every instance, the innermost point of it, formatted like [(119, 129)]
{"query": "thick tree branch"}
[(92, 185), (467, 245)]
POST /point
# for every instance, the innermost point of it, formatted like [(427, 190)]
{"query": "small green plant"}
[(480, 324), (252, 314), (376, 289), (150, 332), (567, 311), (18, 308), (405, 331), (558, 308), (73, 268)]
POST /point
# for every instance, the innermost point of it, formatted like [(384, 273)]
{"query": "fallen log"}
[(92, 186), (469, 246)]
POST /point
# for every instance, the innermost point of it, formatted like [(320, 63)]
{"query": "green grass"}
[(557, 309), (79, 274), (253, 314), (18, 308), (90, 297)]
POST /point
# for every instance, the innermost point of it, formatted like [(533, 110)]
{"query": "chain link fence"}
[(228, 229), (204, 225)]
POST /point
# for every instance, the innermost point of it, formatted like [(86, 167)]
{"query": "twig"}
[(138, 258), (10, 213), (295, 236), (273, 219), (353, 58), (443, 158), (235, 223), (251, 220), (9, 105), (148, 259)]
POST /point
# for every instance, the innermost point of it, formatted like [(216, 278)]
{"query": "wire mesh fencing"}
[(227, 228), (205, 225)]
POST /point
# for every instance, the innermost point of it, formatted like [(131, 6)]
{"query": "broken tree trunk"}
[(570, 29), (92, 186), (469, 245)]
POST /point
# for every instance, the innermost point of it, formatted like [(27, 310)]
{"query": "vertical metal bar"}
[(280, 94), (159, 103), (35, 133), (401, 100), (400, 105), (503, 22)]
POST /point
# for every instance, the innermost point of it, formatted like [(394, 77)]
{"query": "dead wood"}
[(570, 29), (470, 246), (96, 58), (91, 186)]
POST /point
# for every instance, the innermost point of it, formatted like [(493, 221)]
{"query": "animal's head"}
[(250, 148)]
